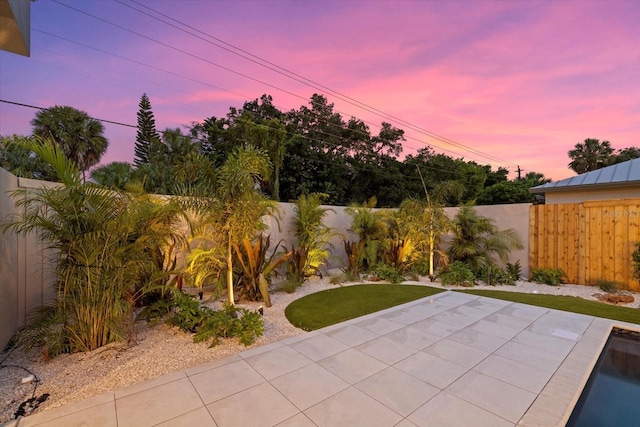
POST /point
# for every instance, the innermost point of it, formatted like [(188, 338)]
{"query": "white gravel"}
[(162, 349)]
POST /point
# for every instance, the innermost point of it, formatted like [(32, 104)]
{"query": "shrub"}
[(346, 276), (608, 286), (230, 322), (493, 275), (548, 276), (387, 272), (514, 270), (186, 313), (456, 273), (635, 261), (290, 284)]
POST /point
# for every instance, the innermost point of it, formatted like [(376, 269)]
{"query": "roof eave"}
[(585, 187)]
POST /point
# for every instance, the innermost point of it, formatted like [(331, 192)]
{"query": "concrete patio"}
[(448, 360)]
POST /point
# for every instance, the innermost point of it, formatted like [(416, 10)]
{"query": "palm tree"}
[(372, 231), (590, 155), (476, 240), (312, 237), (106, 243), (115, 174), (425, 221), (228, 212), (79, 136)]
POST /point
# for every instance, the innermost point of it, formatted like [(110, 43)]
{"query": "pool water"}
[(612, 394)]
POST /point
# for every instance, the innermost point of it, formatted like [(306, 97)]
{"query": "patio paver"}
[(451, 359)]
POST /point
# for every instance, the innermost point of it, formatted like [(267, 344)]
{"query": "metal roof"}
[(619, 175)]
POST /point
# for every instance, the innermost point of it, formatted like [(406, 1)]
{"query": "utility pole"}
[(519, 170)]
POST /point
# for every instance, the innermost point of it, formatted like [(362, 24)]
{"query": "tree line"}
[(312, 149)]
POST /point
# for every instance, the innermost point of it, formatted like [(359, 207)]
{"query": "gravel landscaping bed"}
[(161, 349)]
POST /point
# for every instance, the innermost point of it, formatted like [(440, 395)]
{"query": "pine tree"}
[(146, 134)]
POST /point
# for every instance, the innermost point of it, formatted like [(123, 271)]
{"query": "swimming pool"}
[(612, 394)]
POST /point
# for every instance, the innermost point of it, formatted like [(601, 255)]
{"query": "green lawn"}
[(573, 304), (332, 306)]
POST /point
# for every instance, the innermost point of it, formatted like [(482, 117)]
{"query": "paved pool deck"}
[(452, 359)]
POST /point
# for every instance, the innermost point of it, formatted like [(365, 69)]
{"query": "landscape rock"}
[(615, 298)]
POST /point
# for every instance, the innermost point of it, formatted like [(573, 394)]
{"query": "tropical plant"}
[(476, 240), (114, 175), (256, 266), (514, 270), (79, 136), (230, 322), (175, 162), (590, 155), (493, 275), (227, 213), (186, 313), (355, 252), (635, 261), (312, 236), (548, 276), (626, 154), (264, 134), (399, 254), (386, 272), (22, 162), (372, 231), (456, 273), (102, 240)]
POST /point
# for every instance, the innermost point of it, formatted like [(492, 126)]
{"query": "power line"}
[(428, 133), (301, 79), (422, 143)]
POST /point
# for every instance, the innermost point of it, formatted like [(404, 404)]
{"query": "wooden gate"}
[(589, 241)]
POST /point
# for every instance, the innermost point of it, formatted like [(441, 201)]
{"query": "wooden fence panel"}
[(589, 241)]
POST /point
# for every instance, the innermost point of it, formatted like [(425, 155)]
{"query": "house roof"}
[(623, 174)]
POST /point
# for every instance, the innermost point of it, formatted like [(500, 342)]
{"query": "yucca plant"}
[(255, 267), (101, 256)]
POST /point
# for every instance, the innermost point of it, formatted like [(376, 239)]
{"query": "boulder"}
[(615, 298)]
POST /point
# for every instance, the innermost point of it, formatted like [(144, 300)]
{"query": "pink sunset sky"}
[(504, 83)]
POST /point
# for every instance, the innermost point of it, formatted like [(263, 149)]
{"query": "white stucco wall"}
[(27, 277), (26, 273)]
